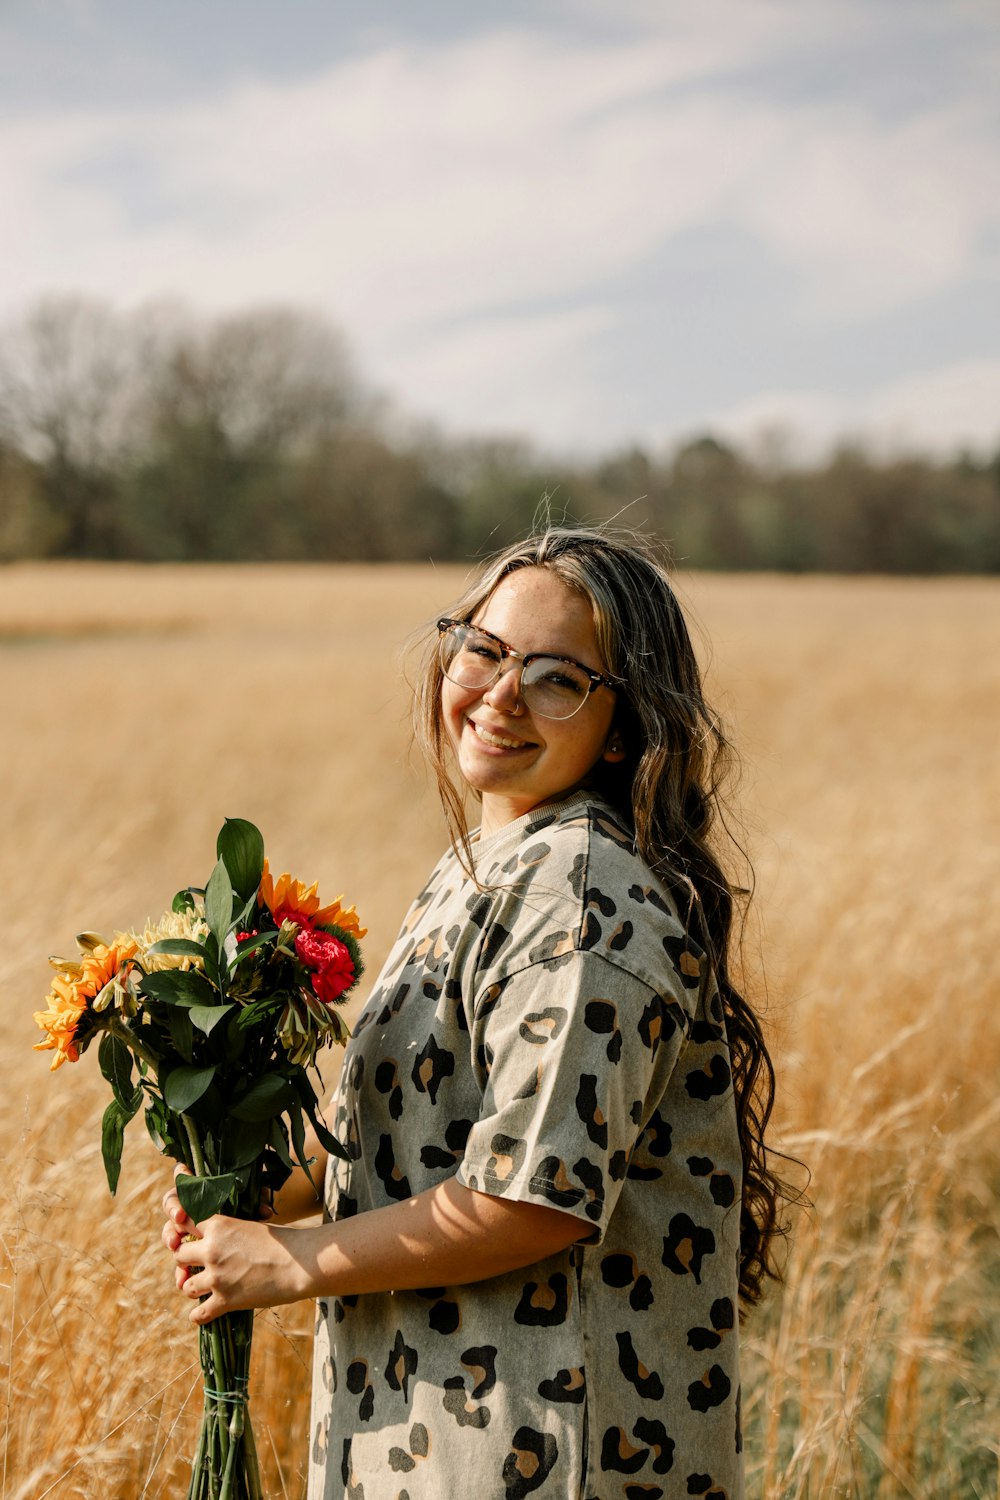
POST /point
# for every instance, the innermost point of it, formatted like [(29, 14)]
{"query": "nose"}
[(505, 693)]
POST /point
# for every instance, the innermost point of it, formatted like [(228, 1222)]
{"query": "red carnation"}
[(328, 958)]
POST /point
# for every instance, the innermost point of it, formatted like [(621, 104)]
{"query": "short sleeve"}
[(576, 1053)]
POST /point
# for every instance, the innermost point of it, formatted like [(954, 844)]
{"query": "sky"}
[(593, 223)]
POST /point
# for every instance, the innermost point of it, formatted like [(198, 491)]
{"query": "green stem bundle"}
[(225, 1464)]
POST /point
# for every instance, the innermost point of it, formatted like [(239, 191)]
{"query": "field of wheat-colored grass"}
[(140, 706)]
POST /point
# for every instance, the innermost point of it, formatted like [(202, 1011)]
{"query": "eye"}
[(477, 645), (470, 644), (559, 677)]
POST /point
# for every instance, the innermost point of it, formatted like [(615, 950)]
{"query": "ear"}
[(614, 750)]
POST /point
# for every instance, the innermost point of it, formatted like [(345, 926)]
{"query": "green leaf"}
[(240, 846), (265, 1098), (112, 1139), (236, 1038), (260, 1010), (250, 945), (185, 1085), (207, 1016), (116, 1065), (299, 1145), (330, 1142), (280, 1144), (201, 1197), (242, 1142), (212, 951), (158, 1123), (178, 948), (184, 900), (299, 1136), (181, 1033), (179, 987), (209, 1151), (310, 1104), (242, 917), (210, 1109), (219, 903)]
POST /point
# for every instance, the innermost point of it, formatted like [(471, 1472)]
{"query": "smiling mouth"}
[(498, 741)]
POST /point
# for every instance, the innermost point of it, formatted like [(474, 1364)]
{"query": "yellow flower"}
[(286, 897), (173, 924), (74, 991)]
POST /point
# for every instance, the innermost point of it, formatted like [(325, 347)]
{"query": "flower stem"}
[(132, 1041), (226, 1466), (197, 1158)]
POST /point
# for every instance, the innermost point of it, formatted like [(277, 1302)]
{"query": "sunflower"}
[(75, 989), (288, 900)]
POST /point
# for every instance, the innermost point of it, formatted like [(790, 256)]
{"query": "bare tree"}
[(67, 373)]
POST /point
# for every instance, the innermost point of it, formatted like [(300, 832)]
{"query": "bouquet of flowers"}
[(209, 1020)]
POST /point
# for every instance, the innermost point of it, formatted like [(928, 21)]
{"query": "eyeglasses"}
[(554, 687)]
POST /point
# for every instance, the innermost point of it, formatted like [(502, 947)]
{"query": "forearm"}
[(446, 1236)]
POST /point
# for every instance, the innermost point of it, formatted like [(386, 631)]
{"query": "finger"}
[(174, 1236), (183, 1222), (171, 1238), (206, 1312), (189, 1252), (209, 1304), (190, 1286), (173, 1211)]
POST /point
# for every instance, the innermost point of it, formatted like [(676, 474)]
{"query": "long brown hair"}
[(668, 790)]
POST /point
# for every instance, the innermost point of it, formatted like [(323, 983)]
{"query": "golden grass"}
[(142, 705)]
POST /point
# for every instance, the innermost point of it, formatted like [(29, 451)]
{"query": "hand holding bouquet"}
[(209, 1020)]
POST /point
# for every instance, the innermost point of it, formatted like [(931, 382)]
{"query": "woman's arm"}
[(445, 1236)]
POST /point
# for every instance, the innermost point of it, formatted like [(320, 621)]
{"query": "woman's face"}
[(517, 761)]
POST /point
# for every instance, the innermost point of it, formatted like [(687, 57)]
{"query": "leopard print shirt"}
[(545, 1039)]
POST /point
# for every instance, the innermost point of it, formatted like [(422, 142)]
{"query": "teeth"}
[(496, 739)]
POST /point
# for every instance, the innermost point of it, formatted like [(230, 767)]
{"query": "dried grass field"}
[(140, 706)]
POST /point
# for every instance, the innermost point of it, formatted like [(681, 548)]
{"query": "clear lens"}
[(552, 688), (555, 689), (468, 658)]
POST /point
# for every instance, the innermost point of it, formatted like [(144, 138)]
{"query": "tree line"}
[(158, 436)]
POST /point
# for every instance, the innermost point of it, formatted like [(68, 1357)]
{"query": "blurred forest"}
[(159, 436)]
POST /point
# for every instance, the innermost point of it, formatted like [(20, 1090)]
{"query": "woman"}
[(557, 1191)]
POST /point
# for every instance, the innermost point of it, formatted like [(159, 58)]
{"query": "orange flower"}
[(60, 1021), (70, 997), (292, 899)]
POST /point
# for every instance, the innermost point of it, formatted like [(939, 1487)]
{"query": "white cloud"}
[(404, 187), (465, 210), (718, 35), (935, 412), (874, 217), (496, 374), (957, 405), (421, 183)]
